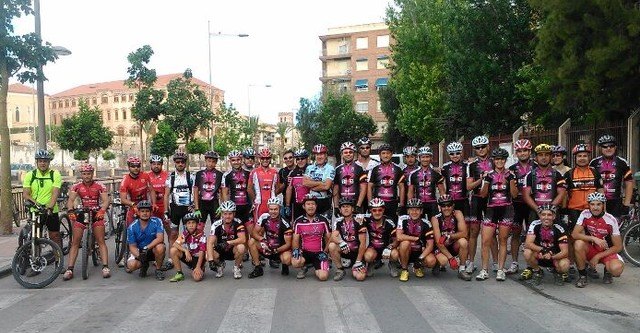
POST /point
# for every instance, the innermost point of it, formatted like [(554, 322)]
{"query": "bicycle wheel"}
[(109, 227), (66, 232), (631, 244), (121, 242), (95, 250), (36, 264), (86, 248)]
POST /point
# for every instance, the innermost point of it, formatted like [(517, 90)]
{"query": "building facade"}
[(355, 60), (22, 113)]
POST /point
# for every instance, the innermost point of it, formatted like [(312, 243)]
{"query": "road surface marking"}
[(156, 312), (6, 301), (346, 310), (251, 310)]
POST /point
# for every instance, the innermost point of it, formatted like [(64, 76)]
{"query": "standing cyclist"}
[(350, 181), (318, 178), (158, 178), (386, 181), (206, 192), (234, 186)]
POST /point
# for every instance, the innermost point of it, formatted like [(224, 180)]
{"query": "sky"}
[(282, 49)]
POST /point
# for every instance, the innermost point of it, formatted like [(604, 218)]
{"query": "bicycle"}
[(66, 230), (118, 216), (630, 232), (89, 245), (39, 260)]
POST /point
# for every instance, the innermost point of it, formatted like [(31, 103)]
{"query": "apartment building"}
[(355, 59), (22, 109)]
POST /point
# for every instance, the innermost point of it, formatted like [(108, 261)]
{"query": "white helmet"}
[(228, 206), (274, 201), (454, 147), (480, 140), (425, 151), (596, 196)]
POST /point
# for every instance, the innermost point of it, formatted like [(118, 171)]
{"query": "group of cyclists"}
[(364, 212)]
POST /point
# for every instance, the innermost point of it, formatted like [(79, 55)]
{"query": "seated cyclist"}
[(227, 241), (348, 243), (190, 248), (450, 229), (597, 240), (382, 238), (415, 235), (546, 245), (146, 241), (93, 196), (271, 237), (310, 237)]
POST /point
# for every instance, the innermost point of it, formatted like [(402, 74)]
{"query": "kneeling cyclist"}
[(271, 236), (310, 237), (415, 235), (348, 242), (450, 229), (227, 241), (382, 238), (146, 242), (546, 245), (190, 248)]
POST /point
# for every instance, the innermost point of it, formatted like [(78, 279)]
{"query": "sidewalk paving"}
[(8, 246)]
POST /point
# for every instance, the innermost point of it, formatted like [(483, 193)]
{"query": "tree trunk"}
[(142, 157), (6, 216)]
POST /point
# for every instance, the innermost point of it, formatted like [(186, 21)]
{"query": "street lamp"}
[(249, 94), (209, 35)]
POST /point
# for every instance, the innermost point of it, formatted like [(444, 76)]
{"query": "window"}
[(362, 85), (381, 82), (94, 101), (120, 129), (108, 115), (73, 102), (17, 117), (105, 99), (115, 114), (124, 114), (130, 97), (383, 62), (362, 43), (382, 41), (66, 103), (362, 106), (362, 64), (123, 98), (382, 127), (379, 106), (53, 105), (60, 104), (343, 48), (116, 99), (55, 119)]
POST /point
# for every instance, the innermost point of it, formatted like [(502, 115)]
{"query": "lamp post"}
[(249, 94), (209, 35)]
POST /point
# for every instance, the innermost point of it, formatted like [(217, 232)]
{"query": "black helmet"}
[(345, 201), (144, 204), (385, 146), (190, 217), (364, 141), (607, 138), (211, 154), (499, 153), (414, 203)]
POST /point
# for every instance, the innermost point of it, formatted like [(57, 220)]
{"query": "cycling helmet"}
[(249, 153), (264, 152), (180, 155), (409, 150), (155, 158), (499, 153), (212, 154), (234, 153), (376, 202), (414, 203), (345, 201), (190, 217), (274, 201), (596, 196), (144, 204), (480, 140), (319, 149), (385, 146), (548, 207), (581, 148), (308, 197), (301, 153), (133, 160), (43, 154), (522, 144), (607, 138), (228, 206), (542, 148), (364, 141), (454, 147), (347, 145), (445, 199), (559, 150), (86, 167), (425, 151)]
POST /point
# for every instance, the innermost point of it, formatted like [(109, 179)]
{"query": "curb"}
[(5, 271)]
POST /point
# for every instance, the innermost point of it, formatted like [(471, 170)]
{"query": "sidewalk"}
[(8, 246)]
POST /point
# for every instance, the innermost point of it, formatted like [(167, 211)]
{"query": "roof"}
[(92, 88), (20, 88)]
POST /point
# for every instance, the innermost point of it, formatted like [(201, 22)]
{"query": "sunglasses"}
[(300, 158), (377, 210), (454, 154), (557, 155), (608, 146), (365, 147), (480, 147), (447, 205), (134, 165), (180, 162), (287, 158)]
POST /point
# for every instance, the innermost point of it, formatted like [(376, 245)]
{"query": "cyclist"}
[(135, 187), (364, 152), (410, 154), (546, 246), (318, 178), (263, 181), (559, 159), (158, 178), (450, 231), (249, 159), (42, 186), (387, 182), (616, 175), (271, 237), (382, 238), (283, 173), (227, 241), (521, 211), (424, 182), (454, 173), (146, 241), (94, 196), (178, 197), (234, 186), (498, 186), (348, 243), (310, 238), (206, 189), (415, 238), (350, 181), (190, 248), (597, 240), (296, 192), (476, 171)]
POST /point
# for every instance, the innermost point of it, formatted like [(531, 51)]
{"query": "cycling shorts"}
[(192, 264), (242, 213), (430, 209), (52, 222), (452, 248), (498, 216), (312, 258), (226, 253), (96, 223), (478, 209), (593, 250), (463, 206), (176, 214)]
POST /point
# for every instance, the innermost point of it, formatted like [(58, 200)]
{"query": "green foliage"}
[(139, 75), (390, 106), (187, 107), (251, 130), (282, 129), (80, 156), (164, 143), (306, 122), (108, 155), (229, 132), (197, 146), (84, 131)]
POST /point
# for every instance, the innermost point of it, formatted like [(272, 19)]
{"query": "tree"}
[(390, 106), (81, 156), (148, 106), (187, 107), (108, 155), (229, 131), (164, 142), (282, 129), (251, 130), (20, 56), (197, 146), (84, 132), (306, 122)]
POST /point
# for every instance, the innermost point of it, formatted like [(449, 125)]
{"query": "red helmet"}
[(522, 144), (319, 149), (264, 153), (86, 167), (133, 160)]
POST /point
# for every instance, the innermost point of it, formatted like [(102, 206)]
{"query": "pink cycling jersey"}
[(312, 232)]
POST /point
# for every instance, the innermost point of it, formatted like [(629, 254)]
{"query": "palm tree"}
[(253, 128), (282, 128)]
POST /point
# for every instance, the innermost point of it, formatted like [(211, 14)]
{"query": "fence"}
[(590, 133)]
